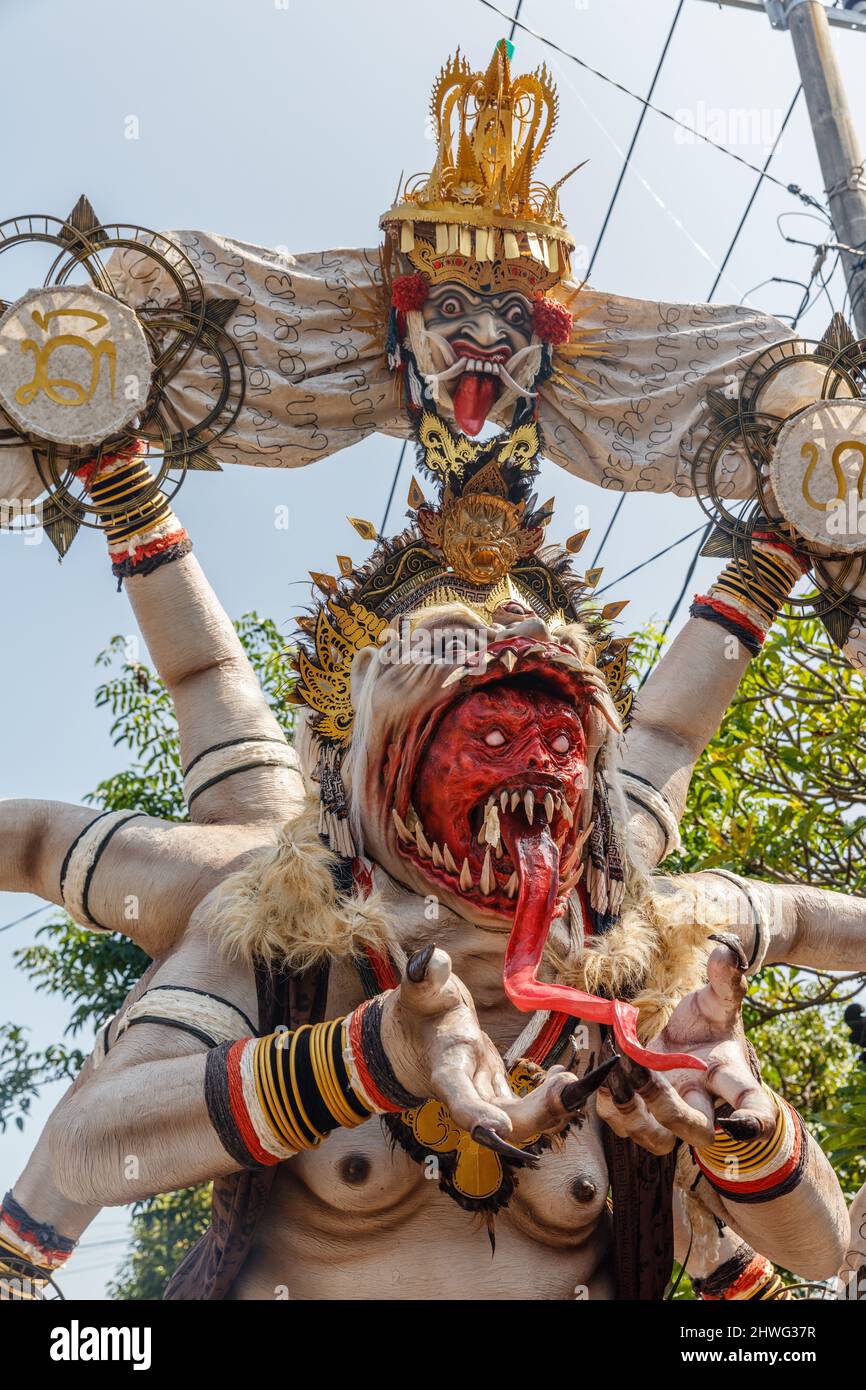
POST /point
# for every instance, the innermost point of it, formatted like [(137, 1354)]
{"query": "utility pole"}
[(836, 141), (808, 22)]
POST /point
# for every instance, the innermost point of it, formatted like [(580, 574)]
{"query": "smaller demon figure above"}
[(485, 241)]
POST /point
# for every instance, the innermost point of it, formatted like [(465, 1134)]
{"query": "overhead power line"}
[(792, 188), (26, 918), (630, 151), (393, 487), (643, 564)]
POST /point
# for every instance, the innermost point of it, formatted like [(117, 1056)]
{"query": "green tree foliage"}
[(777, 795)]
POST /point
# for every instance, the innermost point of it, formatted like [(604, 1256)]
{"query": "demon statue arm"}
[(241, 775), (429, 1037), (675, 716), (805, 1226), (432, 1045)]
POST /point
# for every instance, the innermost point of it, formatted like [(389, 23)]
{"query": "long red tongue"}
[(473, 397), (537, 860)]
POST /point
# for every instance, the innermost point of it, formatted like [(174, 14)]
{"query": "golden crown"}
[(481, 198)]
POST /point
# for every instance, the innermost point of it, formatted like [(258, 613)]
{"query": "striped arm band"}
[(38, 1242), (214, 765), (641, 792), (746, 1276), (207, 1017), (748, 594), (758, 1170), (80, 861), (269, 1098), (143, 532)]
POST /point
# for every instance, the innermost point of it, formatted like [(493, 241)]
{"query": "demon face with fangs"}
[(467, 762), (465, 758)]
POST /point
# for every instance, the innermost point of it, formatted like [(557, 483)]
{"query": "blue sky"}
[(285, 122)]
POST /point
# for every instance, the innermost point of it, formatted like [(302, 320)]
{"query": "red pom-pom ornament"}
[(551, 321), (409, 292)]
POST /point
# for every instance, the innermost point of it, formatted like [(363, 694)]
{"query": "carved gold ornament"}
[(482, 198), (74, 365), (818, 470), (478, 545)]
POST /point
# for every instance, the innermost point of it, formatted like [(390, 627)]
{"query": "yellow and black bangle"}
[(142, 531), (758, 1170), (269, 1098), (749, 593)]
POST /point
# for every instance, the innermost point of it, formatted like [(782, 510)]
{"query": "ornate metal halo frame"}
[(173, 333), (739, 421)]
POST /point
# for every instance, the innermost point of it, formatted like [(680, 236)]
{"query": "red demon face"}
[(510, 750)]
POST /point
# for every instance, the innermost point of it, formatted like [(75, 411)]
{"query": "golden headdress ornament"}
[(480, 543), (481, 203)]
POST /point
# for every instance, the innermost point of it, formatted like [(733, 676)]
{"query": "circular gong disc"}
[(818, 472), (74, 365)]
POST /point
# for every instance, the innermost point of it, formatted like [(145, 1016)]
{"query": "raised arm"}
[(238, 766), (686, 697), (784, 923)]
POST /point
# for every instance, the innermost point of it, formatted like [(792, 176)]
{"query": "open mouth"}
[(480, 383), (480, 867), (458, 836)]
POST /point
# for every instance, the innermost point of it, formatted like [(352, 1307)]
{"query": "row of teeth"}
[(444, 859), (598, 692), (477, 364), (549, 805)]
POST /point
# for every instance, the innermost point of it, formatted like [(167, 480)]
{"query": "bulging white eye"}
[(495, 738), (561, 744)]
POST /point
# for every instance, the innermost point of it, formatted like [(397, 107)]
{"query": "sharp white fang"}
[(567, 813), (529, 804), (437, 856), (511, 886), (488, 882), (401, 827), (490, 828), (515, 800), (450, 863), (421, 841), (465, 877), (549, 807), (503, 801), (453, 676), (509, 660)]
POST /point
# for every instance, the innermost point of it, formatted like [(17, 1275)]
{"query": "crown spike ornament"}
[(481, 210)]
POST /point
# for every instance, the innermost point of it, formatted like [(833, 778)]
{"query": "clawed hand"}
[(655, 1109), (431, 1034), (434, 1042)]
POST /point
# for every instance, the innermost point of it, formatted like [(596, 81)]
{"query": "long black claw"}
[(620, 1087), (491, 1140), (575, 1095), (744, 1127), (637, 1074), (416, 967), (726, 938)]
